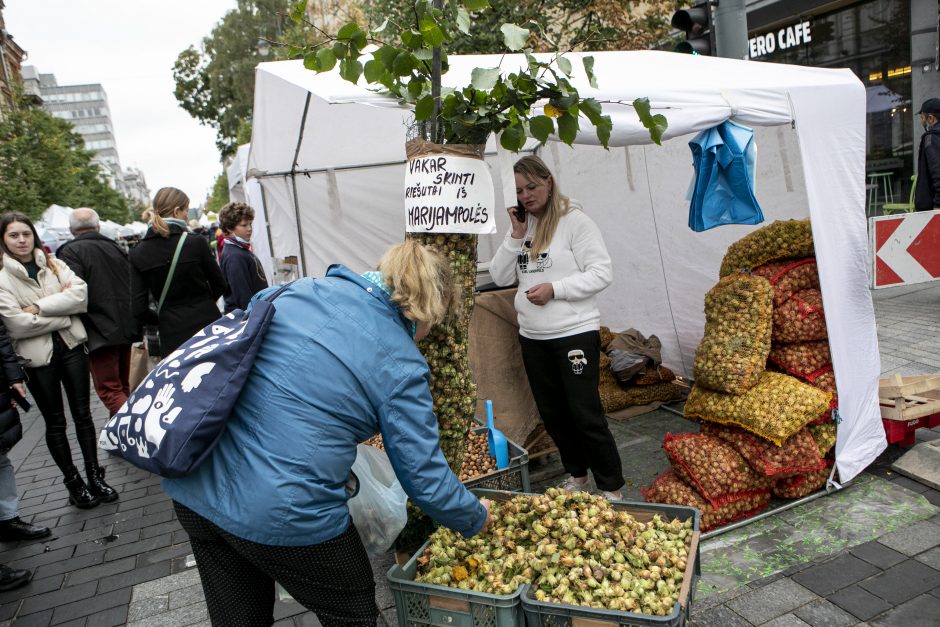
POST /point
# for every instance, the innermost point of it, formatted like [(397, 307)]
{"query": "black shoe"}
[(98, 487), (79, 494), (15, 529), (13, 578)]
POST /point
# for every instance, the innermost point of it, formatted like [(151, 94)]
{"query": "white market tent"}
[(329, 159), (245, 190)]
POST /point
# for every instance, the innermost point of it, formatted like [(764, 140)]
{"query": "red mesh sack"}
[(801, 318), (803, 484), (669, 489), (713, 467), (798, 454), (789, 277), (807, 360)]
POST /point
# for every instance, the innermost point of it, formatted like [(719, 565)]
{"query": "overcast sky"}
[(129, 46)]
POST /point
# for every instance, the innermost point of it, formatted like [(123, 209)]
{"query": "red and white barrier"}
[(905, 248)]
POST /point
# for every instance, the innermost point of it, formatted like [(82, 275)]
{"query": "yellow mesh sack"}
[(783, 239), (738, 327), (774, 409), (825, 436)]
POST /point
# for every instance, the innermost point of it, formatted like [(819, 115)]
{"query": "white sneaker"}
[(573, 485), (612, 496)]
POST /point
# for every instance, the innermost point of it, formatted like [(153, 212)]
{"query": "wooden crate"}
[(908, 404), (909, 398)]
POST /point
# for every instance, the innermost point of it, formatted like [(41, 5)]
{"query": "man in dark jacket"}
[(110, 324), (927, 191), (12, 528)]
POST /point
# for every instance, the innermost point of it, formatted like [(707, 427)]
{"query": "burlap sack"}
[(496, 362)]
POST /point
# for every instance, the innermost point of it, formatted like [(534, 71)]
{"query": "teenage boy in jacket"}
[(242, 270), (110, 324)]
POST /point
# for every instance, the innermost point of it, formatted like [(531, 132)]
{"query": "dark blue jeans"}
[(68, 369)]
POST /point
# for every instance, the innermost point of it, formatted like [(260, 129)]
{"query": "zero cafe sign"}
[(449, 194), (782, 39)]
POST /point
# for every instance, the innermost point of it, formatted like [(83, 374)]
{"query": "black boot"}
[(79, 495), (11, 578), (97, 486), (15, 529)]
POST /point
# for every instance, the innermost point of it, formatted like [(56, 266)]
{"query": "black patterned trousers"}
[(333, 579)]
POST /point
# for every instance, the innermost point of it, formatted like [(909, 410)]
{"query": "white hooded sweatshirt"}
[(577, 265)]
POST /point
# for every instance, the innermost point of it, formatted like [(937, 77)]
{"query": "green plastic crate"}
[(427, 604), (543, 614), (512, 478)]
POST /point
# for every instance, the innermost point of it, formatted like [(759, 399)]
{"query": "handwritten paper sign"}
[(447, 194)]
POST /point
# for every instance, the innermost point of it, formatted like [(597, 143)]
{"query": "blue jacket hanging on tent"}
[(723, 191)]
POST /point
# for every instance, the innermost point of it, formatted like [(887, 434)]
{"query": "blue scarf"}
[(376, 279)]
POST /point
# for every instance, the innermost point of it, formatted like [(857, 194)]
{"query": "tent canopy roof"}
[(693, 92)]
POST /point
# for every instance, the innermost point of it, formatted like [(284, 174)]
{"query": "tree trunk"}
[(446, 351)]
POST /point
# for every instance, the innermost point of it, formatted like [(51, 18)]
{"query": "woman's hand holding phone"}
[(517, 217)]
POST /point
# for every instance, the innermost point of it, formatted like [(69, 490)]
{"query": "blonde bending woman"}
[(557, 255), (196, 283), (338, 365)]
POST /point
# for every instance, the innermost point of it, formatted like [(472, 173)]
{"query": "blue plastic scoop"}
[(496, 440)]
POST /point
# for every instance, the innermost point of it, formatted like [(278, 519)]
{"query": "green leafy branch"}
[(494, 101)]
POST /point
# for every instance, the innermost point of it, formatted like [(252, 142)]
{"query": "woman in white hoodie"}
[(40, 303), (557, 255)]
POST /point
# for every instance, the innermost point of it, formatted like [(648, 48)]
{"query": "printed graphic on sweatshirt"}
[(527, 266), (578, 360)]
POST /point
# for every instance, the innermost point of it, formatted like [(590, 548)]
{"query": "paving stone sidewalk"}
[(129, 562)]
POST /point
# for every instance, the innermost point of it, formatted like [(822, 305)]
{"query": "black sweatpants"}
[(333, 578), (564, 374)]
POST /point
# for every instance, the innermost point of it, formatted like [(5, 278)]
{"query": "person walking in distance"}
[(557, 254), (186, 291), (927, 189), (111, 327), (40, 302)]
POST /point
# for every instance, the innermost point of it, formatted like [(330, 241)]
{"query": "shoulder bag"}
[(152, 334), (175, 417)]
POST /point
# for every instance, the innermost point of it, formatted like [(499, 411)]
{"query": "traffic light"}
[(696, 22)]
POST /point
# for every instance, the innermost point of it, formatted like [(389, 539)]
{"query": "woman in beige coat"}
[(40, 303)]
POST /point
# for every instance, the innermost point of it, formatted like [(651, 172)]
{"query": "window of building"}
[(873, 39)]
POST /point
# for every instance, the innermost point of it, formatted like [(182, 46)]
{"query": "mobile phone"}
[(520, 213), (22, 402)]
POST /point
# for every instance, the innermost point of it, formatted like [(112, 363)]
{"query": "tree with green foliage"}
[(43, 161), (215, 83), (219, 196), (555, 25)]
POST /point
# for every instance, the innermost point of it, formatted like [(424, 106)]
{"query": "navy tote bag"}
[(174, 418)]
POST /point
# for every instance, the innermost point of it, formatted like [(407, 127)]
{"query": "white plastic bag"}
[(378, 509)]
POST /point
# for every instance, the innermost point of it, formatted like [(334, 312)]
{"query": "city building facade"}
[(11, 60), (86, 108), (891, 45)]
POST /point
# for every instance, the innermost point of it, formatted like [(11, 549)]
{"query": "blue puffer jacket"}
[(337, 365)]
